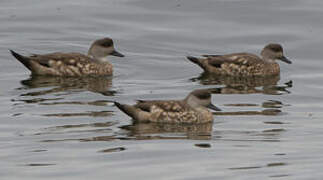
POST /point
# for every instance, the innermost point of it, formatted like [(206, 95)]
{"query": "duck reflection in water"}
[(135, 131), (56, 84), (244, 85), (169, 131)]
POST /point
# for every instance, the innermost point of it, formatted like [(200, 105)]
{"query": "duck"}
[(244, 64), (72, 64), (193, 109)]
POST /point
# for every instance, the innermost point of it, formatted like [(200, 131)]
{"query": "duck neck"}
[(98, 58), (267, 57), (191, 102), (90, 54)]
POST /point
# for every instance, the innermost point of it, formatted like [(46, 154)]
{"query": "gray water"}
[(67, 128)]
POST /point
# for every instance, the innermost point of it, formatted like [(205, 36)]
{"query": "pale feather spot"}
[(241, 60), (234, 57), (171, 115), (75, 70), (69, 71), (87, 67), (58, 63), (51, 62), (79, 65), (72, 61)]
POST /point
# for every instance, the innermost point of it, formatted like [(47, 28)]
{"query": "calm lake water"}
[(67, 128)]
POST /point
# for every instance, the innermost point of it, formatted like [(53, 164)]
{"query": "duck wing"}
[(167, 106), (246, 59), (52, 59)]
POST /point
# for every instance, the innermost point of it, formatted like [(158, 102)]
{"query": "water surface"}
[(67, 128)]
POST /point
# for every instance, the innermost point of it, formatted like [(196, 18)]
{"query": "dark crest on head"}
[(106, 42), (202, 94), (275, 47)]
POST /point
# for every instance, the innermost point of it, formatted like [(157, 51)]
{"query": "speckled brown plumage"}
[(192, 109), (243, 64), (72, 64)]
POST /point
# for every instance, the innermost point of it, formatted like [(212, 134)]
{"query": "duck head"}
[(274, 52), (201, 98), (102, 48)]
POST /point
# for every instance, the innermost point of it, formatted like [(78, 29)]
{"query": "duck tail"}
[(128, 109), (196, 60), (23, 59)]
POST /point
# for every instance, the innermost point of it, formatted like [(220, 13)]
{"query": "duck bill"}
[(211, 106), (116, 53), (283, 58)]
